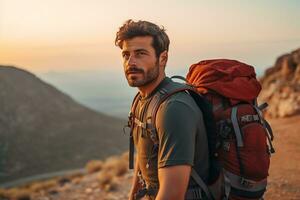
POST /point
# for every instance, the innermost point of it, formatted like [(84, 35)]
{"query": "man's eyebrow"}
[(139, 50)]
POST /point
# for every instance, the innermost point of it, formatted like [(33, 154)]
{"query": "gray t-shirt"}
[(182, 137)]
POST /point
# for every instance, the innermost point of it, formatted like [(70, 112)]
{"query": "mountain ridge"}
[(44, 130)]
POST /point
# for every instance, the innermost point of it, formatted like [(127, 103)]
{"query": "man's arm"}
[(177, 123), (135, 182), (173, 182)]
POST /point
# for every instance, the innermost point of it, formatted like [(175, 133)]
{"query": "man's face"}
[(141, 66)]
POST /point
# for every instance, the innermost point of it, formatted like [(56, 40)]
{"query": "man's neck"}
[(146, 90)]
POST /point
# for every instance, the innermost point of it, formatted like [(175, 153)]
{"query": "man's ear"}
[(163, 58)]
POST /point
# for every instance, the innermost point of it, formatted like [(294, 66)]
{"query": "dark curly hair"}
[(131, 29)]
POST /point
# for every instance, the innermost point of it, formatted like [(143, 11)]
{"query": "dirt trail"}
[(284, 179)]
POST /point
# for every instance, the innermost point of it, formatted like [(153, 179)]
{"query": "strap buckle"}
[(226, 146), (247, 183), (224, 129), (140, 123)]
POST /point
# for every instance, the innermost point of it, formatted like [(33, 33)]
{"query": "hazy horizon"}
[(70, 43), (69, 35)]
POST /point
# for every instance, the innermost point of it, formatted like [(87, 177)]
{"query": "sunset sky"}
[(66, 35)]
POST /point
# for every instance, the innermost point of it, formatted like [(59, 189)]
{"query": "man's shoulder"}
[(179, 103), (182, 97)]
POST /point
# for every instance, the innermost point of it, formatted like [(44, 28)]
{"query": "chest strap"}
[(140, 123)]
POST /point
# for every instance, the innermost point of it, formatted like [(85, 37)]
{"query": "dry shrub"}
[(18, 194), (112, 168), (104, 178), (94, 166), (45, 185), (110, 163), (116, 165), (112, 186), (107, 181), (3, 194), (122, 168), (76, 180), (125, 156)]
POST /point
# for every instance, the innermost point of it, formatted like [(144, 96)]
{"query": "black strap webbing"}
[(201, 184), (131, 118), (131, 152)]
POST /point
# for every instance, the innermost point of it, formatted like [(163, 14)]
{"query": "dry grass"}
[(117, 165), (104, 178), (108, 171), (17, 194), (112, 186), (3, 193), (76, 180), (125, 156), (24, 192), (45, 185), (94, 166), (112, 167), (107, 181)]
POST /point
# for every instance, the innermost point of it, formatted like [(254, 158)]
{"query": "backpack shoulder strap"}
[(201, 184), (162, 95), (131, 117)]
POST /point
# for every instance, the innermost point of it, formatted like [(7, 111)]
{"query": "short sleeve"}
[(176, 124)]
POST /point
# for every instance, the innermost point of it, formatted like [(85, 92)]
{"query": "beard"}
[(138, 77)]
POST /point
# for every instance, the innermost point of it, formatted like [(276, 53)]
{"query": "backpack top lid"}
[(230, 78)]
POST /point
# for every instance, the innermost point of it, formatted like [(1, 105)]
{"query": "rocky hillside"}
[(281, 86), (43, 130)]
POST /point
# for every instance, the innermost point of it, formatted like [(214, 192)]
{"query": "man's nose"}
[(131, 60)]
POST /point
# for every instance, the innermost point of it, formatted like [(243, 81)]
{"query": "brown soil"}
[(284, 179)]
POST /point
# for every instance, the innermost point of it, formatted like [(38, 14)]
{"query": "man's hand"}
[(173, 182)]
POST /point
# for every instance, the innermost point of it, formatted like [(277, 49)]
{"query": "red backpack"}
[(244, 136), (238, 135)]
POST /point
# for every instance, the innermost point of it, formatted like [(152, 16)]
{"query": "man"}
[(179, 123)]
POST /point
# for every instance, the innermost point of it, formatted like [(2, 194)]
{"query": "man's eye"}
[(140, 53), (125, 56)]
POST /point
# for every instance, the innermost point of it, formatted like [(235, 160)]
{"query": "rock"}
[(88, 190), (63, 181), (281, 86), (95, 185)]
